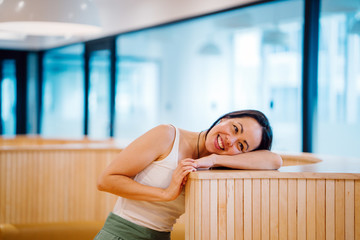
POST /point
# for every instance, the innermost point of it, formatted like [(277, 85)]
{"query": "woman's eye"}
[(241, 146), (236, 129)]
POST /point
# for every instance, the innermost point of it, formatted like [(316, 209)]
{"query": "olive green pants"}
[(117, 228)]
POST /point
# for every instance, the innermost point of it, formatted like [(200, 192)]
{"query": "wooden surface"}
[(40, 184), (317, 199)]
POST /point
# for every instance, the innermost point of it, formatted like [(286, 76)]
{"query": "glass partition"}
[(338, 114), (8, 97), (99, 95), (63, 92), (191, 72)]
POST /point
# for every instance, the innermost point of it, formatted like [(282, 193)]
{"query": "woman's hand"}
[(206, 162), (179, 178)]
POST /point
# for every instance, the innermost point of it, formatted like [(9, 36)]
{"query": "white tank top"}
[(160, 216)]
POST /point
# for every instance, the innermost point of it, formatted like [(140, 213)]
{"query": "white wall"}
[(136, 14)]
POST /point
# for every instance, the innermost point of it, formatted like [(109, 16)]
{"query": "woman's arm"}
[(260, 159), (117, 178)]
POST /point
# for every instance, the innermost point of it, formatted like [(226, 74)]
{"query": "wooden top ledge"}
[(302, 165)]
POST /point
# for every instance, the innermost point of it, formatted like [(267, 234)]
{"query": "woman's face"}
[(233, 136)]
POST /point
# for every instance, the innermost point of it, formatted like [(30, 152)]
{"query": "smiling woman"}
[(149, 174)]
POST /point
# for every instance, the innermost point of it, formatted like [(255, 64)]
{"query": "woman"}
[(149, 174)]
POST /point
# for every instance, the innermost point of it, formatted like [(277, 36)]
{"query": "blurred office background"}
[(188, 62)]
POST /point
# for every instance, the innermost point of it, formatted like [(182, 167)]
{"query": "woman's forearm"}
[(261, 159), (126, 187)]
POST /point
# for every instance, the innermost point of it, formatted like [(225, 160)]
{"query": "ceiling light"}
[(275, 37), (49, 18), (12, 36), (210, 48)]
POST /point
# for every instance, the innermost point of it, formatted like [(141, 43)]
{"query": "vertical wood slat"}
[(188, 206), (2, 189), (330, 209), (339, 209), (247, 209), (301, 209), (265, 209), (349, 210), (283, 209), (197, 212), (310, 209), (239, 209), (274, 209), (222, 209), (213, 209), (205, 209), (357, 209), (191, 215), (292, 207), (230, 218), (256, 209), (320, 209)]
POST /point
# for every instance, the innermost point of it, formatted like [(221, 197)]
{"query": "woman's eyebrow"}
[(241, 128)]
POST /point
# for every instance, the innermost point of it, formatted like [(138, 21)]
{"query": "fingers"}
[(188, 162)]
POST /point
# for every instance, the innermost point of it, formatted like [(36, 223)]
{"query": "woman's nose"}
[(230, 140)]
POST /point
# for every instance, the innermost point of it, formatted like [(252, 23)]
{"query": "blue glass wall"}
[(63, 93), (8, 97), (338, 127), (191, 72)]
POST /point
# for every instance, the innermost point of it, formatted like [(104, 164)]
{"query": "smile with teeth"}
[(220, 142)]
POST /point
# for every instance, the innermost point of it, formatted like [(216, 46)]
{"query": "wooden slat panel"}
[(188, 203), (191, 216), (283, 207), (301, 209), (265, 209), (239, 209), (339, 209), (197, 212), (230, 218), (205, 209), (330, 209), (222, 209), (247, 209), (274, 209), (292, 207), (349, 210), (357, 209), (256, 209), (39, 186), (320, 209), (3, 188), (213, 209), (310, 209)]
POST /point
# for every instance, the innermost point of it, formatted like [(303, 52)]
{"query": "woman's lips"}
[(219, 143)]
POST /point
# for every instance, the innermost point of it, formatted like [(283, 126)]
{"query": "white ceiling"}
[(116, 16)]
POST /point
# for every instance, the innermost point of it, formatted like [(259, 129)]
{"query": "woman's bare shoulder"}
[(158, 139)]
